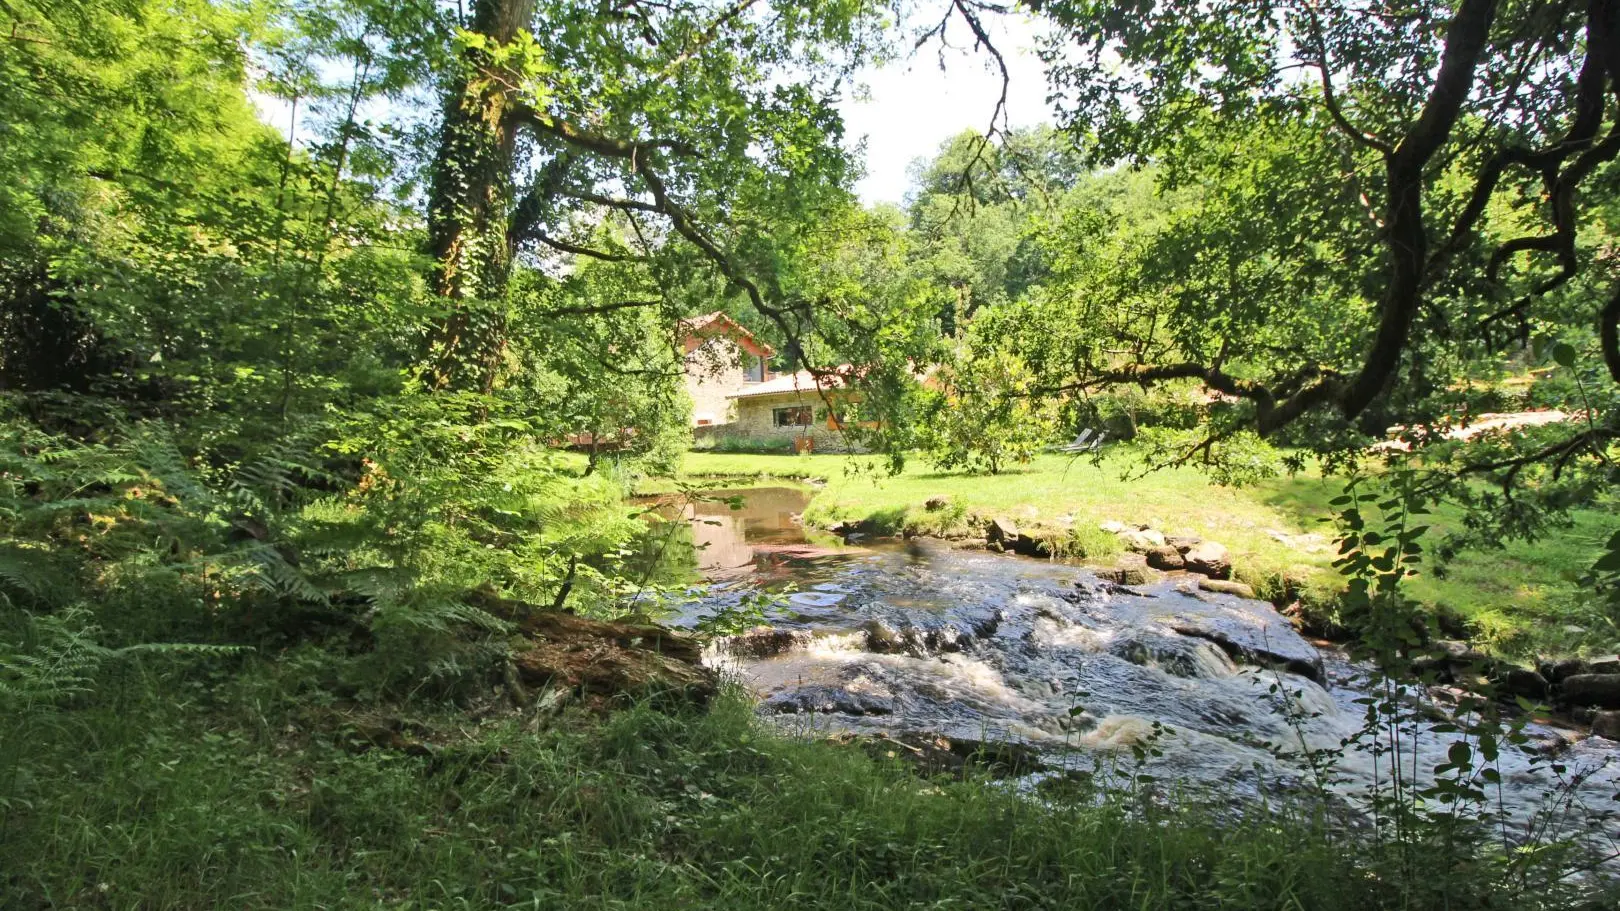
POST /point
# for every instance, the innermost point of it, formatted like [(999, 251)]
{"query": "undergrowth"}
[(204, 786)]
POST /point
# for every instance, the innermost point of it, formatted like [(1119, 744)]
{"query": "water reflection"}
[(727, 535)]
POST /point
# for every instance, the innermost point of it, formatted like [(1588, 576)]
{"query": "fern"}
[(30, 575), (54, 657), (51, 658), (268, 571)]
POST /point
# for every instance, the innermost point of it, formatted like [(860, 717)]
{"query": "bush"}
[(745, 445)]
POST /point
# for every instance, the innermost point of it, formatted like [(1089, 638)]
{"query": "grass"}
[(1518, 601), (242, 790)]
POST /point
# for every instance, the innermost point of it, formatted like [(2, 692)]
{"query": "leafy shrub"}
[(731, 443), (984, 415)]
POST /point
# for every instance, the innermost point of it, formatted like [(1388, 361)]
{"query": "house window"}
[(753, 368), (797, 416)]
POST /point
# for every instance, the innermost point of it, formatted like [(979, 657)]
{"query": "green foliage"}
[(1454, 808), (299, 390), (647, 810), (50, 659), (984, 413), (730, 443)]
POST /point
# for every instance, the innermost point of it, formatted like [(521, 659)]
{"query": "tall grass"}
[(250, 790)]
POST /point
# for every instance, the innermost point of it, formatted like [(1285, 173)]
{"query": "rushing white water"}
[(921, 637)]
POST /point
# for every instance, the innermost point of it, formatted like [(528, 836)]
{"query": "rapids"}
[(920, 637)]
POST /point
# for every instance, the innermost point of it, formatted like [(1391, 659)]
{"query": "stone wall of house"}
[(755, 420), (714, 370)]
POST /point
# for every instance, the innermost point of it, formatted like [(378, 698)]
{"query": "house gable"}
[(698, 330), (722, 360)]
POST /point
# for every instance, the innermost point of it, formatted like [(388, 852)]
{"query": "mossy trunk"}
[(470, 204)]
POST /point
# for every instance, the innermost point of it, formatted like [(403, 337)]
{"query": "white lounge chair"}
[(1079, 444)]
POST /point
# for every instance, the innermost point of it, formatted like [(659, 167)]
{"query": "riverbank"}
[(270, 789), (1520, 601)]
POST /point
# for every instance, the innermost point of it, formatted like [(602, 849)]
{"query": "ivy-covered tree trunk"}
[(471, 198)]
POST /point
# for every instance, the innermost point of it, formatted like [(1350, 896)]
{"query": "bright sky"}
[(913, 106)]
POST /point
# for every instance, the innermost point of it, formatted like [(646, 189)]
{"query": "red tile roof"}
[(718, 323)]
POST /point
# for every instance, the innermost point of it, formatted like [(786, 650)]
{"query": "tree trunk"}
[(470, 202)]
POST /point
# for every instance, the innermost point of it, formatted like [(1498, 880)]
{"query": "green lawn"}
[(1519, 601)]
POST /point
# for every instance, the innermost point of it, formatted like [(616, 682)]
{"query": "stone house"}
[(792, 408), (736, 395), (722, 359)]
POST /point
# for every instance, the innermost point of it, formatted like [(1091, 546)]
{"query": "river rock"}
[(1183, 543), (763, 642), (1178, 656), (1131, 569), (1456, 651), (1600, 690), (1030, 546), (1557, 672), (1248, 630), (821, 699), (1114, 528), (1210, 559), (852, 530), (1604, 664), (921, 634), (1606, 724), (1522, 681), (1447, 660), (1142, 540), (1226, 587), (1555, 741), (1166, 558), (1001, 530)]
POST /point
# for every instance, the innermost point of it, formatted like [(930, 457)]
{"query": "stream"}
[(919, 637)]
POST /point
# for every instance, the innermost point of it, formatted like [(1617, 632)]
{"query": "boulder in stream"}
[(1142, 540), (1600, 690), (1164, 557), (1521, 681), (824, 699), (1183, 543), (1001, 530), (1557, 672), (763, 642), (1606, 724), (1131, 569), (1248, 630), (1226, 587)]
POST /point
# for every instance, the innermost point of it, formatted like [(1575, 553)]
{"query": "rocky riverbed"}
[(921, 642)]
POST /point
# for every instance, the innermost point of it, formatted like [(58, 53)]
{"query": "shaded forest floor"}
[(1520, 601)]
